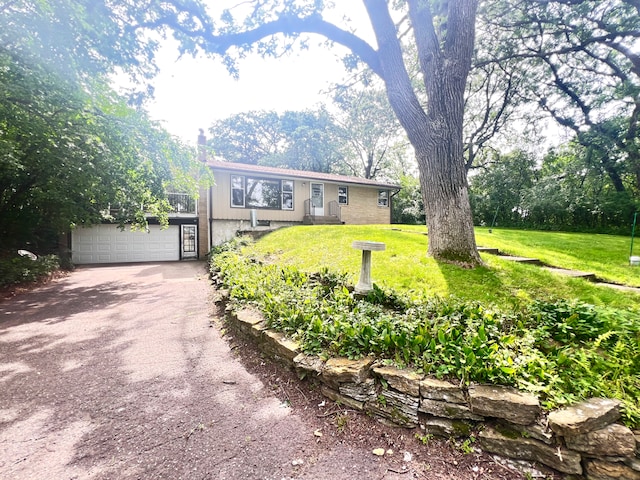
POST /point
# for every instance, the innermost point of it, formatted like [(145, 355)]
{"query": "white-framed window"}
[(343, 195), (287, 194), (237, 191), (267, 193), (383, 198)]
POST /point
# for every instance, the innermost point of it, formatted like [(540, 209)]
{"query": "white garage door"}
[(107, 244)]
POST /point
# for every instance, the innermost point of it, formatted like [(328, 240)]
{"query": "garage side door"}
[(107, 244)]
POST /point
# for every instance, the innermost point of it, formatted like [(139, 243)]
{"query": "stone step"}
[(624, 288), (489, 250), (532, 261), (572, 273)]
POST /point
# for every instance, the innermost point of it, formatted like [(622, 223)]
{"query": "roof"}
[(327, 177)]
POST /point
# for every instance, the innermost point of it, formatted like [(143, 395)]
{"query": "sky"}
[(192, 93)]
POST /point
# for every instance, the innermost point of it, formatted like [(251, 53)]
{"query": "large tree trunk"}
[(443, 176), (436, 135), (446, 199)]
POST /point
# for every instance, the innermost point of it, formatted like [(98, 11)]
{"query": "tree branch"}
[(285, 25)]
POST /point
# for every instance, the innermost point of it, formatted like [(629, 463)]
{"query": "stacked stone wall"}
[(585, 440)]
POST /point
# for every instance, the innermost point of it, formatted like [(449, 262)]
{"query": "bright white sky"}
[(193, 93)]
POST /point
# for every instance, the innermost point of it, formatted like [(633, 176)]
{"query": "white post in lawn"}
[(364, 286)]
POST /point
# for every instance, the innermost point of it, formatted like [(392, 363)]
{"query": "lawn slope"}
[(404, 265)]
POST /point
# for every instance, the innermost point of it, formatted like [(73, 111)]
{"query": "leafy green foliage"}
[(562, 351), (70, 148), (68, 156), (306, 140), (569, 191), (19, 270), (80, 40), (407, 206)]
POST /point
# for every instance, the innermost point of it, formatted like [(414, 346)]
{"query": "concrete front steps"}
[(321, 220)]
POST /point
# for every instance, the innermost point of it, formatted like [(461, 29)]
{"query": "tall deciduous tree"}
[(69, 146), (307, 140), (582, 58), (66, 157), (369, 130), (443, 33)]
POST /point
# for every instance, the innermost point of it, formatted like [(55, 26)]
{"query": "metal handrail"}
[(182, 203), (309, 208), (334, 209)]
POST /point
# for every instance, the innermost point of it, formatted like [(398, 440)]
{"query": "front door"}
[(188, 234), (317, 199)]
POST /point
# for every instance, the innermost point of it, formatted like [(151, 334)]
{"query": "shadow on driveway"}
[(116, 372)]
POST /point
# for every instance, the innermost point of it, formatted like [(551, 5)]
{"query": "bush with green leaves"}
[(19, 270), (560, 350)]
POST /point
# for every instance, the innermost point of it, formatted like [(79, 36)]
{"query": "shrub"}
[(21, 270)]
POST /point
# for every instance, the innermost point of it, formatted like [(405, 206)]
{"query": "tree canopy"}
[(69, 146), (306, 140), (582, 62), (361, 137)]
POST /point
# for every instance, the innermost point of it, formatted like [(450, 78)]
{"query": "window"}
[(263, 193), (237, 191), (248, 192), (383, 198), (343, 195), (287, 194)]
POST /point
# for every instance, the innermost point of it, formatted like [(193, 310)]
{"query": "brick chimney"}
[(202, 147)]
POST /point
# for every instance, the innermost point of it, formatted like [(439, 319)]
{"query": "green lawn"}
[(404, 265), (605, 255)]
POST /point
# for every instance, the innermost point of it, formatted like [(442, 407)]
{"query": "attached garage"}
[(108, 244)]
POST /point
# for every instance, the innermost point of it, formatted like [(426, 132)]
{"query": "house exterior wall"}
[(221, 200), (225, 230), (362, 207)]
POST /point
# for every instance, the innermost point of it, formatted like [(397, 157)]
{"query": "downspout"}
[(391, 204), (209, 213)]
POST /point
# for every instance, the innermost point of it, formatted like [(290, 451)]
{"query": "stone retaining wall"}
[(582, 440)]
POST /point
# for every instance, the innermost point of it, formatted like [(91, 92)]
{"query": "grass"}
[(404, 265), (503, 323), (605, 255)]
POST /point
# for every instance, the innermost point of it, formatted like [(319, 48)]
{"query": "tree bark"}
[(445, 58), (445, 53)]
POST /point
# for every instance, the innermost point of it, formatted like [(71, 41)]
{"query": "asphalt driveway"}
[(115, 372)]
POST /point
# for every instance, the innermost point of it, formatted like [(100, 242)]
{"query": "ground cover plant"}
[(17, 270), (562, 350)]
